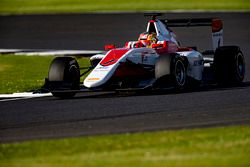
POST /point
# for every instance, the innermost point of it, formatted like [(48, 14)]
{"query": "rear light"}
[(217, 25)]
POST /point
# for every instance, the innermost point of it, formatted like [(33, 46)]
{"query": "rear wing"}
[(215, 24)]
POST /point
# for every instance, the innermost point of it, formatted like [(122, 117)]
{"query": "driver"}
[(146, 39)]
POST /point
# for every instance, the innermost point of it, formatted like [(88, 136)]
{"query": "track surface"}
[(109, 113)]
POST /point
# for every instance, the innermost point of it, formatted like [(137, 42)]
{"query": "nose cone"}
[(100, 75), (105, 69)]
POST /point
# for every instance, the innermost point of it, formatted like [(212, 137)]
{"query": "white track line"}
[(41, 52), (24, 95), (14, 99), (10, 50), (60, 52)]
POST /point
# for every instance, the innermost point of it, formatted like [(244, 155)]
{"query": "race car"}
[(155, 61)]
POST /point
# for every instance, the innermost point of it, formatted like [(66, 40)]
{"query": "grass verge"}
[(79, 6), (25, 73), (228, 146)]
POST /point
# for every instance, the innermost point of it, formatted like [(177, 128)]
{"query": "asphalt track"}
[(105, 113)]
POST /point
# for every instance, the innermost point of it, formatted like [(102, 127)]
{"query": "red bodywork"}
[(113, 56)]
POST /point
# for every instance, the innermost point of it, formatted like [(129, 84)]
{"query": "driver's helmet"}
[(143, 38), (147, 39)]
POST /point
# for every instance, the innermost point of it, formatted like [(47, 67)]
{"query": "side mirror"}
[(109, 46)]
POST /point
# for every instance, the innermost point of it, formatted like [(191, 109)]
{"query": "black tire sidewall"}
[(225, 65), (178, 61), (165, 71), (64, 74)]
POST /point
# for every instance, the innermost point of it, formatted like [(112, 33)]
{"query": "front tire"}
[(64, 74), (170, 70), (178, 73)]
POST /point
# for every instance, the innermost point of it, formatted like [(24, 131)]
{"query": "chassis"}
[(165, 64)]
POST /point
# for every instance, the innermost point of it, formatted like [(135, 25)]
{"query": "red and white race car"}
[(155, 60)]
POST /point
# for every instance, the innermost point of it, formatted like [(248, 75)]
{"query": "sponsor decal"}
[(198, 62), (93, 79), (219, 34), (144, 57), (102, 67)]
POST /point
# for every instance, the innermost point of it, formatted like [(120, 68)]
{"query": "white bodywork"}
[(97, 56), (101, 74), (217, 38), (195, 64), (163, 34)]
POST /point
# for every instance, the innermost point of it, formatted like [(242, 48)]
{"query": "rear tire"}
[(64, 74), (229, 65)]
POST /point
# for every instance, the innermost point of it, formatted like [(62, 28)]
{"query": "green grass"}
[(25, 73), (220, 147), (79, 6)]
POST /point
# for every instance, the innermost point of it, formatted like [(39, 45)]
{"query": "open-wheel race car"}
[(155, 61)]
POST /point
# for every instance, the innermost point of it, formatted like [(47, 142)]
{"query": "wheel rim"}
[(240, 65), (180, 74)]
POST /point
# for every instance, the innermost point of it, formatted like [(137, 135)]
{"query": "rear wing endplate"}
[(215, 24)]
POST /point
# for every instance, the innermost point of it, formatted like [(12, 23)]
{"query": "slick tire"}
[(179, 73), (64, 74), (170, 70), (229, 65)]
